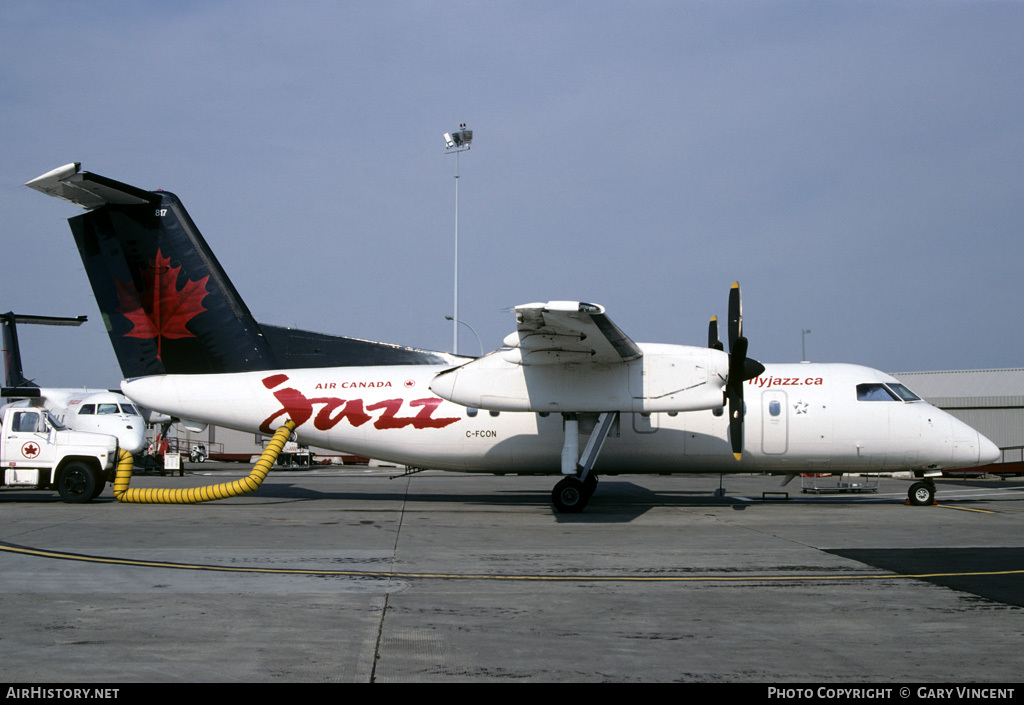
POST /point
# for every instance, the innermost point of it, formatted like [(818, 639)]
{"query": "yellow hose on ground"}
[(194, 495)]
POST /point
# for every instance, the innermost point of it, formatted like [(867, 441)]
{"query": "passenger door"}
[(774, 423)]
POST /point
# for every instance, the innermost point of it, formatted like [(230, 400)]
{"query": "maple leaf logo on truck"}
[(159, 309)]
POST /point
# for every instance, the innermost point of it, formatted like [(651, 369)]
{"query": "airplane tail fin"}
[(14, 375), (166, 302)]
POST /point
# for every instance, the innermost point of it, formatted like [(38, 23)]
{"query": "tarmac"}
[(354, 575)]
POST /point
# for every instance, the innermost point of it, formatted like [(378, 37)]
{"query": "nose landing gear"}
[(921, 494)]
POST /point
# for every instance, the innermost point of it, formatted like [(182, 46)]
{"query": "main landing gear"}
[(573, 491), (571, 494)]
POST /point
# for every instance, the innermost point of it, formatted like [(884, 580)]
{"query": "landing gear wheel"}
[(569, 496), (590, 485), (77, 483), (921, 494)]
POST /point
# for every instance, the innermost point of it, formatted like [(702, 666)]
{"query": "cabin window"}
[(774, 408), (874, 392), (87, 409)]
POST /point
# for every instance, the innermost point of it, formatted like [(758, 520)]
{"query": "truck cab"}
[(38, 452)]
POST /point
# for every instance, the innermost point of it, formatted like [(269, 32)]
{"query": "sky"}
[(856, 166)]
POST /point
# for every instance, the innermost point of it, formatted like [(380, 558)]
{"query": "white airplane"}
[(80, 409), (189, 347)]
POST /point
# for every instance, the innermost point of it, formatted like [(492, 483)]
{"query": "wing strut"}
[(595, 444)]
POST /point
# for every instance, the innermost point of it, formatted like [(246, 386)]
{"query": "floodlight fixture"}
[(458, 140)]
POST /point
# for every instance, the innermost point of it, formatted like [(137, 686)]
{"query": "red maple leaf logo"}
[(159, 309)]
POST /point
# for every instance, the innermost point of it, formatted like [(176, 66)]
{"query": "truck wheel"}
[(100, 486), (77, 483)]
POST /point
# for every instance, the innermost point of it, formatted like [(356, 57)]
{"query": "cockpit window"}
[(87, 409), (874, 392), (107, 409), (904, 393), (130, 410), (892, 391)]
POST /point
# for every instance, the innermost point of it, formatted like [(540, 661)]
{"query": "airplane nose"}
[(133, 439), (974, 450), (988, 452)]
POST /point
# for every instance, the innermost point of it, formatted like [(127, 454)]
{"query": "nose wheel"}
[(921, 494)]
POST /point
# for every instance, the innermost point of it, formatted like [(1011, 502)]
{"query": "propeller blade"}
[(737, 358), (735, 315), (713, 342), (734, 390), (741, 368), (735, 393)]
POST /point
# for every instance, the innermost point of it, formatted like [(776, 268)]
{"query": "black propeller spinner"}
[(741, 367)]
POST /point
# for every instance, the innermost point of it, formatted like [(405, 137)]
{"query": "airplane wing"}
[(567, 356), (567, 332)]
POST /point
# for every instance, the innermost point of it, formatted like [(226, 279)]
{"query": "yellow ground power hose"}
[(194, 495)]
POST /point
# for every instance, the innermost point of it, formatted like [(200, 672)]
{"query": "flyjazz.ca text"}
[(786, 381)]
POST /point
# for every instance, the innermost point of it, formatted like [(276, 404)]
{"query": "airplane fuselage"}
[(799, 418)]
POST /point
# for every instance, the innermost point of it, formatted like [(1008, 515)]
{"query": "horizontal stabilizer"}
[(21, 392), (89, 190), (45, 320)]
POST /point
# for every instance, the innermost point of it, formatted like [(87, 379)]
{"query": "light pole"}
[(455, 142), (803, 345), (471, 330)]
